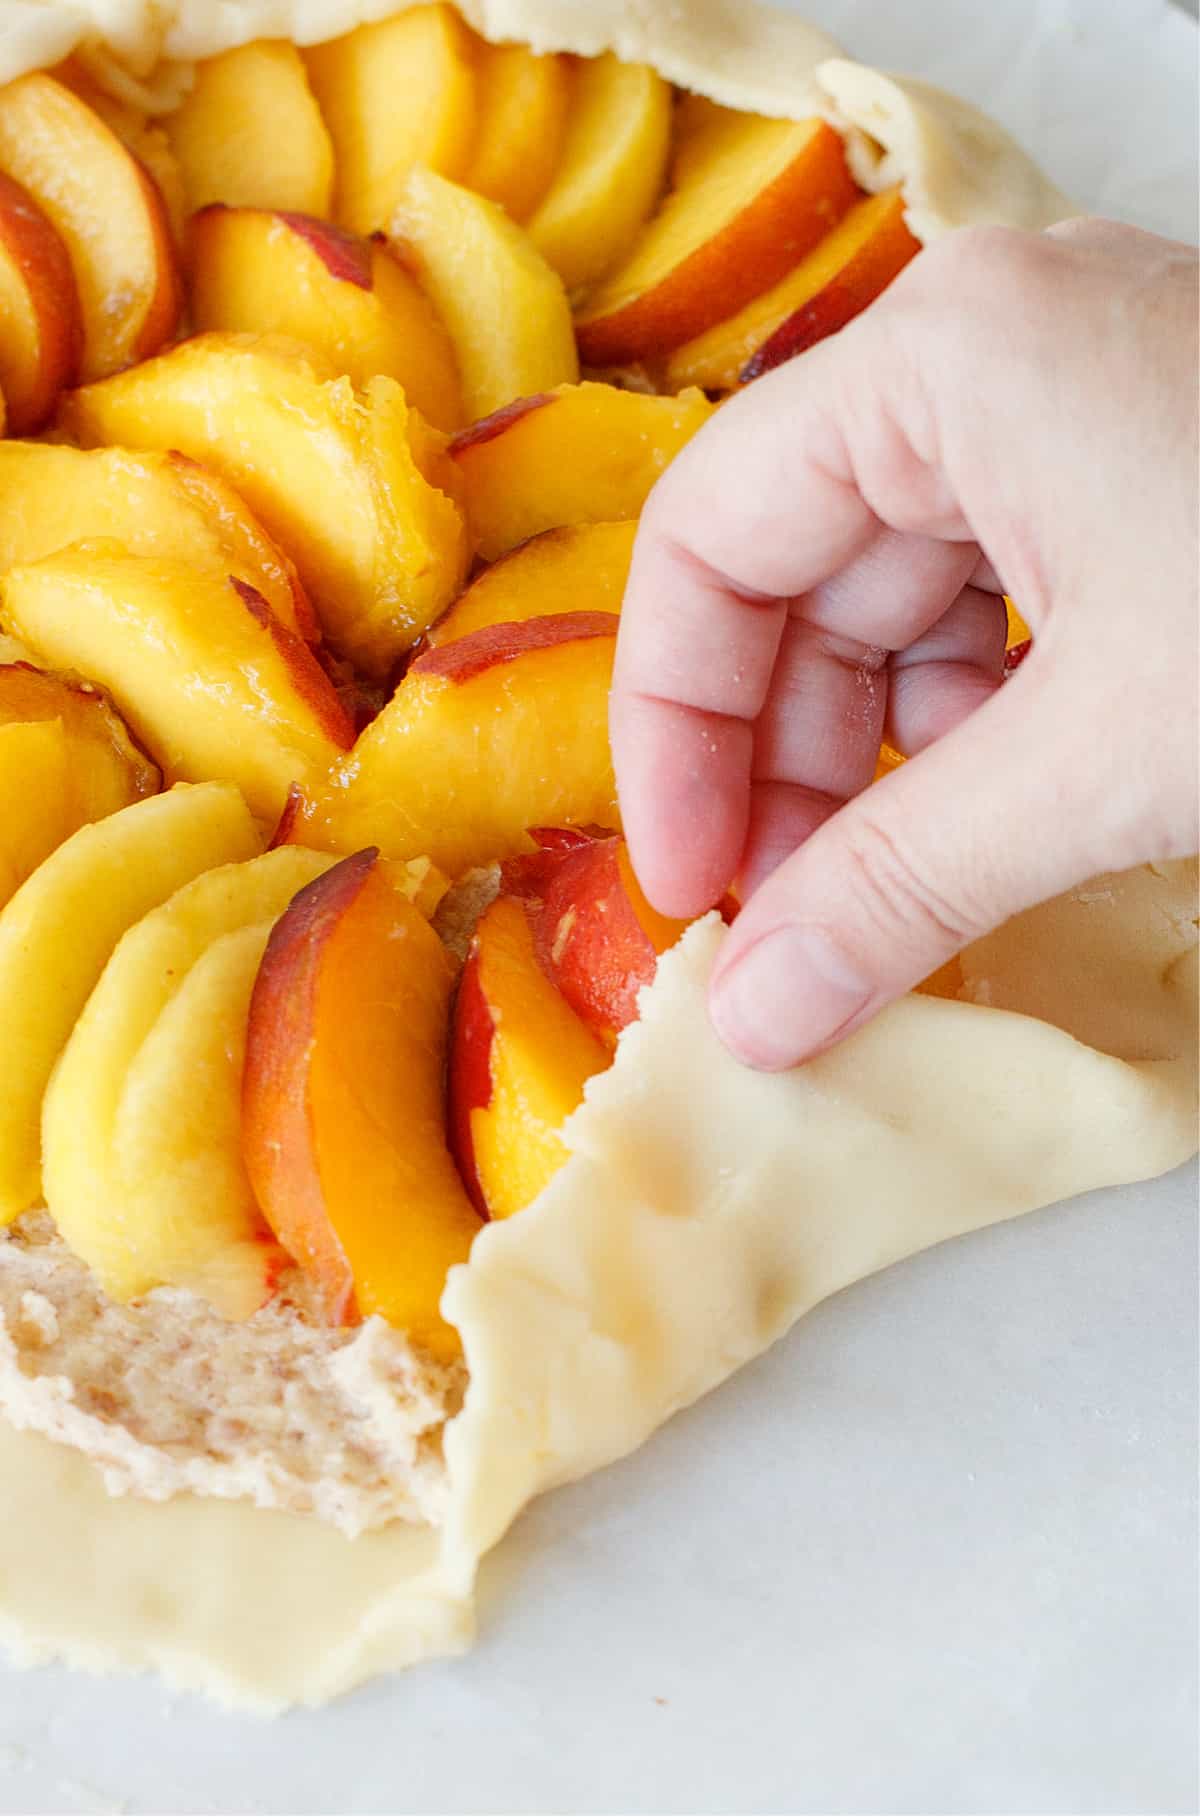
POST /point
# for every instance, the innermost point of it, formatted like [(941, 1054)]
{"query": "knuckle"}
[(894, 889)]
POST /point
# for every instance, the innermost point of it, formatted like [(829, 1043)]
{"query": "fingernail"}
[(790, 995)]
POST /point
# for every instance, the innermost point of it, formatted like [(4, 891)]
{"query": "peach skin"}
[(80, 174), (41, 329), (753, 199), (519, 1059), (260, 272), (582, 454), (343, 1117)]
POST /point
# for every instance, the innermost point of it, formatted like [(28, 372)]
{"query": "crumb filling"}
[(165, 1396)]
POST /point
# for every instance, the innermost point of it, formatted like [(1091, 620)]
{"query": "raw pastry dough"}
[(704, 1208)]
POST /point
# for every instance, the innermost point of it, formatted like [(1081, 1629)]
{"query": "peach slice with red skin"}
[(258, 272), (106, 209), (868, 269), (353, 484), (581, 454), (756, 196), (519, 1060), (343, 1117), (250, 132), (595, 933), (843, 273), (484, 737), (41, 330), (578, 568)]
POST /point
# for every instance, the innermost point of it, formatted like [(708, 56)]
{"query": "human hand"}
[(823, 566)]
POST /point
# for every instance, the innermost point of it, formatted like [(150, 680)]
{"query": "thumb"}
[(1008, 809)]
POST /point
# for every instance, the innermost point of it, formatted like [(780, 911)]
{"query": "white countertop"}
[(936, 1552)]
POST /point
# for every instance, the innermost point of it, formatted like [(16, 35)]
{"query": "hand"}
[(823, 566)]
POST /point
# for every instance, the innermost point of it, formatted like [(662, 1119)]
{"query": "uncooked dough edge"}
[(958, 167)]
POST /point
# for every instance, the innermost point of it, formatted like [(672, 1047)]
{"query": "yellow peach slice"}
[(153, 504), (41, 330), (106, 210), (505, 309), (348, 482), (519, 1059), (582, 454), (755, 197), (522, 101), (138, 133), (611, 170), (258, 272), (842, 274), (35, 788), (581, 568), (484, 738), (141, 1125), (207, 678), (57, 932), (251, 134), (343, 1110), (107, 771), (394, 94)]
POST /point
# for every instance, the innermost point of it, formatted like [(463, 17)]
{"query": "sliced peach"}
[(394, 94), (581, 568), (522, 102), (107, 770), (153, 504), (842, 274), (595, 933), (141, 1124), (251, 134), (582, 454), (106, 210), (506, 310), (484, 737), (35, 788), (864, 270), (208, 679), (57, 932), (1018, 630), (262, 273), (137, 132), (343, 1130), (756, 197), (610, 172), (348, 482), (41, 330), (519, 1060)]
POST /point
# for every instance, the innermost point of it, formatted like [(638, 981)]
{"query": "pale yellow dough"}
[(704, 1208)]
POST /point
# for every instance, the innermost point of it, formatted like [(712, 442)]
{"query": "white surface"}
[(937, 1551)]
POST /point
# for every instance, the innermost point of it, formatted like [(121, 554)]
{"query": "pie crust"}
[(704, 1208)]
